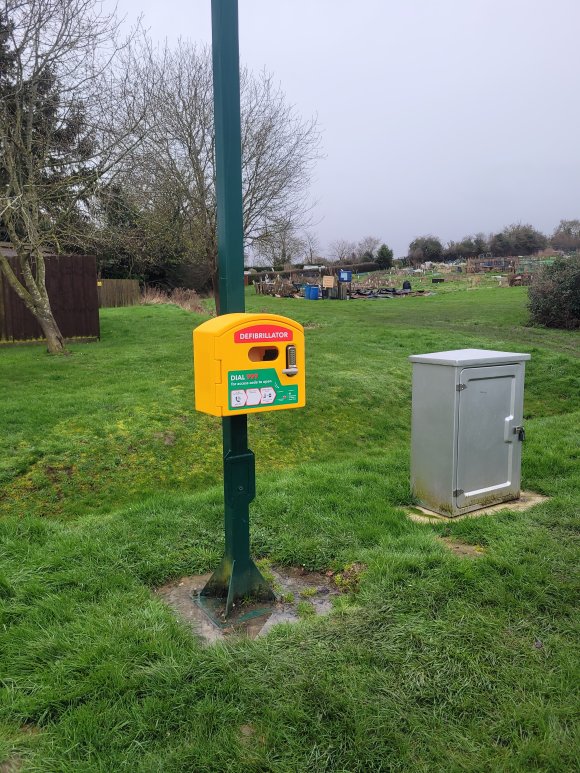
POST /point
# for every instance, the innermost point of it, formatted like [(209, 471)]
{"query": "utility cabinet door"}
[(488, 450)]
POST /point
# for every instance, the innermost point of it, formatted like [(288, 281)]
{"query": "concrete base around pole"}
[(236, 581), (297, 592)]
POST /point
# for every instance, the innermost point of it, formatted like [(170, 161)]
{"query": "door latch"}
[(521, 433), (290, 369)]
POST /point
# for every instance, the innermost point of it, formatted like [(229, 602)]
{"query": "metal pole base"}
[(236, 581)]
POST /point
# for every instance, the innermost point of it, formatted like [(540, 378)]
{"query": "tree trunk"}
[(34, 296), (54, 339)]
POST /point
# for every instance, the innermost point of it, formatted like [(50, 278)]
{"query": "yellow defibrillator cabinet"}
[(249, 363)]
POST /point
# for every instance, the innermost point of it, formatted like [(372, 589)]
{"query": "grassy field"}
[(110, 485)]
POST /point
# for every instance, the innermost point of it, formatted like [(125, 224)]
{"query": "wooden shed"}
[(71, 283)]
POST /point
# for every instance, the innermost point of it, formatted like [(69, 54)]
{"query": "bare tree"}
[(278, 151), (280, 245), (365, 249), (68, 117), (343, 251), (312, 245)]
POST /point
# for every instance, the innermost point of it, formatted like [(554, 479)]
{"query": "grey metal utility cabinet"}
[(467, 429)]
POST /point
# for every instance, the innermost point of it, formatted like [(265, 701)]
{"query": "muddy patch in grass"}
[(168, 438), (249, 736), (16, 762), (462, 549), (12, 765)]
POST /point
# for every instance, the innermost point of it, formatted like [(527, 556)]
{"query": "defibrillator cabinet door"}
[(490, 404)]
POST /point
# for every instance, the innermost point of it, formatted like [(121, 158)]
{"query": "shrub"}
[(554, 295), (185, 299)]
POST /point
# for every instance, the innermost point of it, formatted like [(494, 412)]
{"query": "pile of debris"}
[(278, 287), (385, 292), (375, 281), (520, 280)]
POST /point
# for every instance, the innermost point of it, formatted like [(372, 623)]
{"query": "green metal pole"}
[(228, 151), (237, 576)]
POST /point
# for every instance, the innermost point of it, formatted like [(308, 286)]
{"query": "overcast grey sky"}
[(437, 116)]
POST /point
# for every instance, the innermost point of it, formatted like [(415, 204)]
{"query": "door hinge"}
[(460, 387), (458, 491)]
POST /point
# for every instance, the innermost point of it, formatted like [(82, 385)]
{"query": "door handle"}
[(508, 430)]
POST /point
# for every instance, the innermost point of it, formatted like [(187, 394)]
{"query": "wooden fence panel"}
[(118, 292), (71, 283)]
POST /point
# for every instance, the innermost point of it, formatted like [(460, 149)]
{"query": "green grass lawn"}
[(110, 484)]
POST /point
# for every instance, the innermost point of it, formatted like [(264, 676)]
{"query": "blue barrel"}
[(307, 292), (314, 293)]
